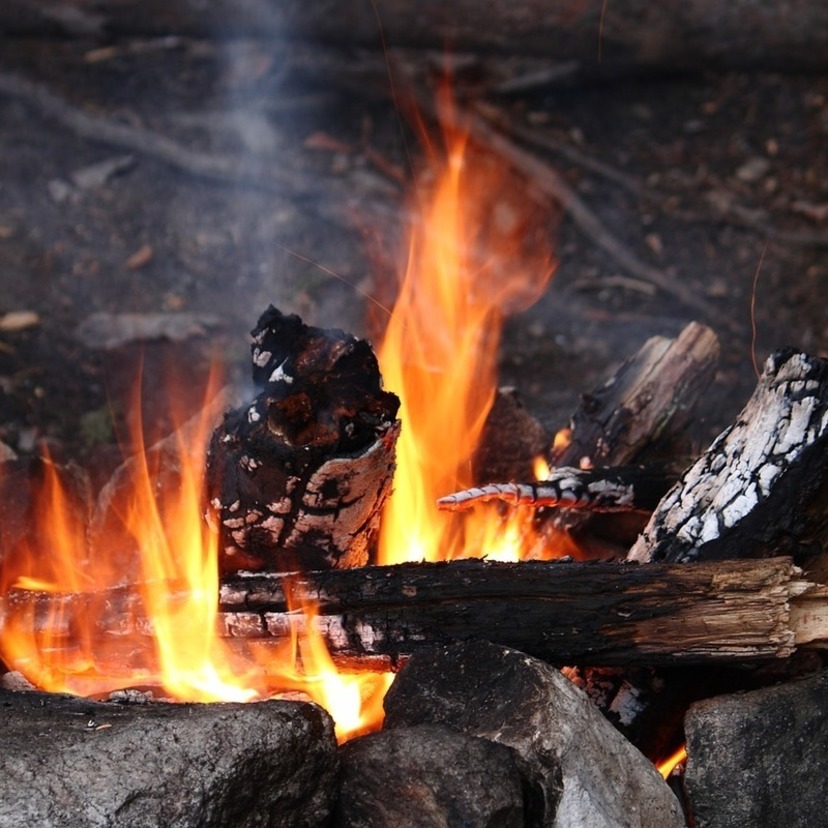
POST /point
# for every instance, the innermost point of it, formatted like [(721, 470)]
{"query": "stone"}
[(428, 775), (71, 762), (758, 758), (504, 695)]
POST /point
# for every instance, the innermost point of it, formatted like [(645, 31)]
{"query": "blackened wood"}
[(619, 489), (759, 490), (650, 398), (591, 613), (571, 613), (298, 476)]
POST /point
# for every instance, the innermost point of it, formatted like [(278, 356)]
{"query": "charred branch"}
[(622, 489)]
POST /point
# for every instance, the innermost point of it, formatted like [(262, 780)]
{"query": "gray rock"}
[(428, 776), (504, 695), (72, 763), (758, 758)]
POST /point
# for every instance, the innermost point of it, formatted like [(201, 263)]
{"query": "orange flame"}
[(666, 767), (82, 645), (474, 255)]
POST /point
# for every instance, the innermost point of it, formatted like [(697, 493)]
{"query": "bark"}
[(759, 489), (700, 32), (299, 476)]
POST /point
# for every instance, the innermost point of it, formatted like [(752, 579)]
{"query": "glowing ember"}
[(475, 253)]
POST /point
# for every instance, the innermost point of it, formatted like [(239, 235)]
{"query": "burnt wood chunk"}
[(298, 476), (650, 399), (759, 490)]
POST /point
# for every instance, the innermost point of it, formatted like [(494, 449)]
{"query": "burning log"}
[(591, 613), (563, 612), (760, 488), (622, 489), (299, 476)]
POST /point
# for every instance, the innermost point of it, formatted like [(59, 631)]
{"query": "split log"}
[(760, 489), (299, 476), (650, 399), (700, 33)]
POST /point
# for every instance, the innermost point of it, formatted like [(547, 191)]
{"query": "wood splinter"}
[(625, 489)]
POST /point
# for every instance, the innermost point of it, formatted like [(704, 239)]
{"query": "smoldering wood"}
[(511, 441), (298, 476), (590, 613), (738, 33), (760, 489), (563, 612), (620, 489), (650, 399), (638, 415)]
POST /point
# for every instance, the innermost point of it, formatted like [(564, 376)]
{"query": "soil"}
[(719, 155)]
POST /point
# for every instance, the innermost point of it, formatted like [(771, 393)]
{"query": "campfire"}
[(366, 516)]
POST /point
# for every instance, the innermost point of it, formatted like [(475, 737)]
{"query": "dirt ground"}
[(706, 173)]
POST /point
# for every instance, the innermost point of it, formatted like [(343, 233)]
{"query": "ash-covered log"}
[(759, 490), (298, 477)]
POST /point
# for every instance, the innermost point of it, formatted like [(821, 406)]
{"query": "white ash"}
[(279, 374), (260, 357)]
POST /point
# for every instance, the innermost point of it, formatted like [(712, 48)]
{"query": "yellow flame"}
[(70, 640), (469, 262), (666, 767)]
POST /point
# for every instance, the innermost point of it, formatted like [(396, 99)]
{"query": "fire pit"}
[(324, 566)]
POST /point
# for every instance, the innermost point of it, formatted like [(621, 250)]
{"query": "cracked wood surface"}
[(758, 489)]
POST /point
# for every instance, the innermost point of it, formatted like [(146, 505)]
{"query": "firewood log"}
[(298, 476), (759, 489)]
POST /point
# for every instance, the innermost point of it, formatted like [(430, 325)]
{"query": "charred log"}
[(649, 401), (298, 477), (567, 613), (562, 612), (759, 490)]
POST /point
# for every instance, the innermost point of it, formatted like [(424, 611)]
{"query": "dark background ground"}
[(721, 156)]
